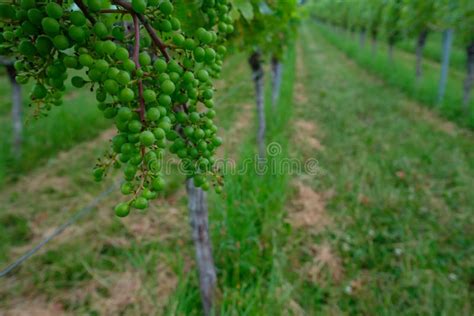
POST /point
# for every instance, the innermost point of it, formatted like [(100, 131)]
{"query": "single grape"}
[(126, 95), (77, 18), (135, 126), (139, 6), (122, 209), (147, 138), (50, 26), (167, 87), (54, 10), (140, 203)]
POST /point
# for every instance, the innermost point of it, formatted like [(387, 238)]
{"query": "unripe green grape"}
[(111, 86), (175, 77), (118, 32), (100, 95), (135, 159), (86, 60), (112, 73), (70, 61), (126, 95), (164, 100), (171, 135), (147, 138), (163, 77), (126, 188), (139, 6), (175, 24), (203, 75), (39, 91), (166, 7), (98, 174), (203, 36), (173, 66), (101, 65), (122, 209), (165, 26), (110, 47), (54, 10), (153, 114), (159, 133), (27, 48), (77, 33), (144, 59), (194, 117), (127, 149), (27, 4), (129, 65), (95, 75), (110, 113), (168, 87), (121, 54), (130, 171), (149, 195), (100, 29), (124, 114), (192, 93), (123, 77), (77, 18), (230, 29), (61, 42), (178, 39), (135, 126), (199, 133), (207, 94), (50, 26), (199, 54), (210, 55), (209, 104), (160, 65), (188, 131), (211, 114), (27, 28), (21, 79), (149, 96), (140, 203), (181, 117), (35, 16), (94, 5)]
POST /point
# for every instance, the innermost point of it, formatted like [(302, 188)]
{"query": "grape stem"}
[(136, 59), (156, 40), (84, 10)]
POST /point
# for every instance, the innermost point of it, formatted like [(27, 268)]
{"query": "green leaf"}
[(246, 8)]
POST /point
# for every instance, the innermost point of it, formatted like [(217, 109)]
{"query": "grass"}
[(401, 73), (77, 120), (402, 199)]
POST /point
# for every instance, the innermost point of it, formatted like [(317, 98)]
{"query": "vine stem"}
[(136, 59)]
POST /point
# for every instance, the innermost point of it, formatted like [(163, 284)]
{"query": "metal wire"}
[(78, 215)]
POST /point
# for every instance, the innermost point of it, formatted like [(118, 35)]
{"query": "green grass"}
[(78, 119), (401, 73), (402, 202)]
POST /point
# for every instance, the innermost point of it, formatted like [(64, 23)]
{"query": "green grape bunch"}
[(150, 75)]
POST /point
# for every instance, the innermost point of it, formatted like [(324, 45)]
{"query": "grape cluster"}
[(151, 77)]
